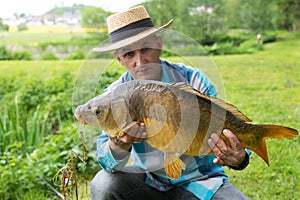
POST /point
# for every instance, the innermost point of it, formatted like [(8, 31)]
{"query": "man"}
[(137, 47)]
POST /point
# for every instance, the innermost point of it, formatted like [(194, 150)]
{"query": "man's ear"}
[(117, 57)]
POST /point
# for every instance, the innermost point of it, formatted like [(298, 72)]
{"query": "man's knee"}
[(228, 191), (106, 185), (102, 186)]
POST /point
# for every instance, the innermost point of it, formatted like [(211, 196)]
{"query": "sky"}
[(38, 7)]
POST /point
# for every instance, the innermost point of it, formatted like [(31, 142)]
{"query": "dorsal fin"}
[(229, 107)]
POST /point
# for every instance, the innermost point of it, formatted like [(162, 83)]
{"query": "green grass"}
[(29, 38), (265, 86)]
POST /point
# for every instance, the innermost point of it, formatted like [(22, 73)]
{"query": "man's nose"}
[(139, 59)]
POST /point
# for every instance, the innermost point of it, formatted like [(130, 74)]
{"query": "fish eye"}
[(97, 111)]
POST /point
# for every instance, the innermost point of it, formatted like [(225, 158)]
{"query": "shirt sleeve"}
[(105, 157), (199, 81)]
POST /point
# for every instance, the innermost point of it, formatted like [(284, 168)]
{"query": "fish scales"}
[(179, 120)]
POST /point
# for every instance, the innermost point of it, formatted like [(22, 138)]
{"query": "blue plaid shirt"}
[(201, 176)]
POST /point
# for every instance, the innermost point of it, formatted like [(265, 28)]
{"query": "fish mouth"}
[(79, 118)]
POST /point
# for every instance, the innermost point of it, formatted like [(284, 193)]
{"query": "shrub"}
[(19, 172), (77, 55), (268, 38), (48, 56), (22, 55), (17, 125), (18, 175), (4, 54)]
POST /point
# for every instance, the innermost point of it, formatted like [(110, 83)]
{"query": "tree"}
[(3, 27), (94, 17), (255, 15), (199, 19), (288, 14)]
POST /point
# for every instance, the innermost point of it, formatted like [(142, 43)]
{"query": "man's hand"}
[(136, 133), (230, 155)]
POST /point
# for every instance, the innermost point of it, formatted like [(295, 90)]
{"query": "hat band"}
[(131, 30)]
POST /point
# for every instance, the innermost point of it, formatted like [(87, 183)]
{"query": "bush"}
[(4, 54), (19, 172), (18, 175), (21, 55), (268, 38), (77, 55), (4, 27), (48, 56)]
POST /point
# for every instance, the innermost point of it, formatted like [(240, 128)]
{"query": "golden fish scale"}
[(171, 121), (162, 111)]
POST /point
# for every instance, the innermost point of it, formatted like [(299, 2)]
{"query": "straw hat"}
[(128, 27)]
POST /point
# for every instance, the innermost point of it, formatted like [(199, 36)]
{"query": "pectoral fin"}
[(123, 132), (173, 165)]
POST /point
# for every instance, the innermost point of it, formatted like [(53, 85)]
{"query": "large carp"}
[(178, 119)]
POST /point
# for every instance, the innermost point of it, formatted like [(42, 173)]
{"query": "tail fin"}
[(275, 132)]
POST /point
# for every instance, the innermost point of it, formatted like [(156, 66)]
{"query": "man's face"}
[(141, 59)]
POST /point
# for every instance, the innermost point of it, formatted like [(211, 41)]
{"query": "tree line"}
[(204, 19)]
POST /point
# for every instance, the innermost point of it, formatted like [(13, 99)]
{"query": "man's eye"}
[(128, 54)]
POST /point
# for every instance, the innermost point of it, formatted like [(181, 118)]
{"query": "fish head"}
[(95, 112)]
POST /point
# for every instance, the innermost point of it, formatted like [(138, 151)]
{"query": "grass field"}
[(34, 38), (265, 86)]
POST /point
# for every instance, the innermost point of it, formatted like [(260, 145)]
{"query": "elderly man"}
[(137, 46)]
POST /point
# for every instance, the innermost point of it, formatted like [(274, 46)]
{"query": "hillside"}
[(75, 8)]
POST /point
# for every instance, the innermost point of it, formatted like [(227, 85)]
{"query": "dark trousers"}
[(132, 186)]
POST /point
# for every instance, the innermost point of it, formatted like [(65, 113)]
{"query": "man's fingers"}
[(231, 138), (219, 143)]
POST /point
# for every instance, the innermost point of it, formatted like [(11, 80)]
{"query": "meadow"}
[(264, 85)]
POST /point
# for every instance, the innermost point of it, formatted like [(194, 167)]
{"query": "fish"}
[(179, 120)]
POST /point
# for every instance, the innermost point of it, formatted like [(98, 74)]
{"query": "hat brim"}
[(131, 40)]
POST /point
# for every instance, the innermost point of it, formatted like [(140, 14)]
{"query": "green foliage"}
[(3, 27), (77, 55), (268, 38), (95, 17), (106, 79), (18, 174), (66, 9), (21, 55), (201, 19), (48, 56), (255, 15), (48, 95), (16, 125), (287, 14), (4, 54), (54, 152), (18, 55)]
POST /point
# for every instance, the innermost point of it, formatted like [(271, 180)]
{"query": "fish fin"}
[(278, 132), (173, 165), (261, 150), (273, 132), (121, 134), (227, 106)]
